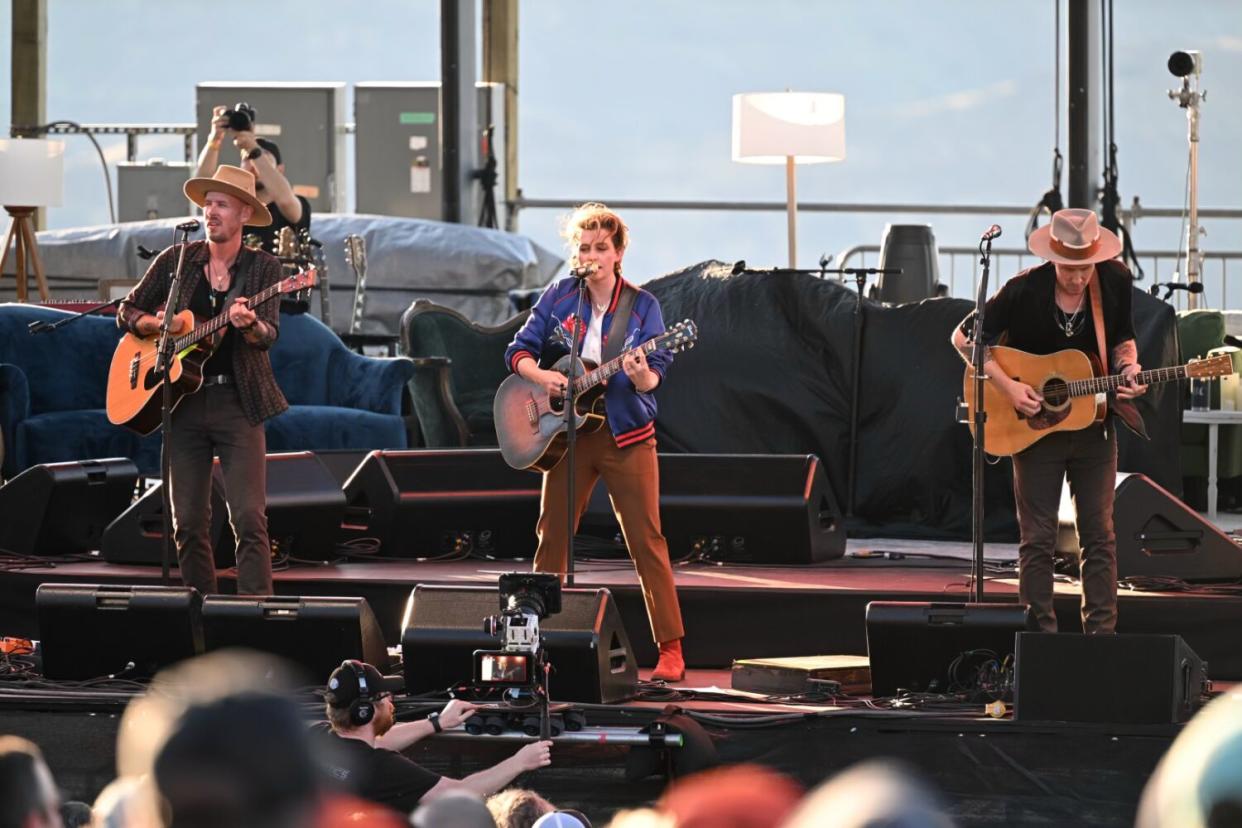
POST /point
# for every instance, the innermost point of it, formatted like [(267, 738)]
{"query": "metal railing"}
[(962, 262)]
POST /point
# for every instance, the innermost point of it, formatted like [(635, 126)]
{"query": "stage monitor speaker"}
[(305, 507), (315, 632), (920, 647), (1159, 536), (62, 508), (90, 631), (739, 508), (432, 502), (587, 645), (1118, 679)]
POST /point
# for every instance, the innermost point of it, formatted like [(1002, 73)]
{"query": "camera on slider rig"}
[(526, 598)]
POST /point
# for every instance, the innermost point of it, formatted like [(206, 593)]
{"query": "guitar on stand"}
[(356, 256), (531, 424), (135, 387), (1073, 388)]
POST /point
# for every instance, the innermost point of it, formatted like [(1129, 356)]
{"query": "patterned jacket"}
[(548, 334), (257, 390)]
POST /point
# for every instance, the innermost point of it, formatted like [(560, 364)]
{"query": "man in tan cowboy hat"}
[(1042, 310), (225, 417)]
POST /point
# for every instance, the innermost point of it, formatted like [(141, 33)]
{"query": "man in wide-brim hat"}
[(1048, 308), (225, 416)]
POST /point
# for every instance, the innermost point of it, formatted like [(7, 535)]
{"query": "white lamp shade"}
[(768, 127), (32, 172)]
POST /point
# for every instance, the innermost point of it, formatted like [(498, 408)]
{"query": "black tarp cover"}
[(771, 374)]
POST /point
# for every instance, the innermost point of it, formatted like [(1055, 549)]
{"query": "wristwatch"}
[(434, 718)]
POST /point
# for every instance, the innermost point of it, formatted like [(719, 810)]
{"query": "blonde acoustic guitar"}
[(1073, 389)]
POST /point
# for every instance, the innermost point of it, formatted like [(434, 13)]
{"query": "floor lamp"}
[(32, 173), (789, 128)]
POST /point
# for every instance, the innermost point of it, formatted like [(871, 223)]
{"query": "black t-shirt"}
[(267, 235), (208, 303), (379, 775), (1025, 308)]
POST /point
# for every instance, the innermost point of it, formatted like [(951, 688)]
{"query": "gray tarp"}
[(470, 269)]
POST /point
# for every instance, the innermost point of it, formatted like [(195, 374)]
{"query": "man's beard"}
[(384, 720)]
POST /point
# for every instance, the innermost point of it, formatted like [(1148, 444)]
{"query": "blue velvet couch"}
[(53, 387)]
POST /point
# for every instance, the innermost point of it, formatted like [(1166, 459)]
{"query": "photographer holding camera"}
[(365, 743), (260, 157)]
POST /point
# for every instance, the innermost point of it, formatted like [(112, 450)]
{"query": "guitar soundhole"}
[(557, 404), (1056, 393)]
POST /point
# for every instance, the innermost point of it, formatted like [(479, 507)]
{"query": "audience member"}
[(739, 796), (127, 802), (28, 796), (517, 807), (1198, 782), (454, 809), (641, 818), (561, 819), (872, 794), (74, 814), (364, 743)]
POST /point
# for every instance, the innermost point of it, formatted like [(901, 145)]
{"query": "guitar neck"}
[(595, 376), (1101, 385), (214, 324)]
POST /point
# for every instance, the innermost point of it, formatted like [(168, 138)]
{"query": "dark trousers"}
[(205, 424), (1089, 460), (632, 475)]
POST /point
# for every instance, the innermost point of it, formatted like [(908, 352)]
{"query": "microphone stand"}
[(43, 326), (163, 362), (860, 275), (978, 352), (571, 429)]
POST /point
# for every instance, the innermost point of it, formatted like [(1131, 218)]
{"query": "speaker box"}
[(1160, 536), (88, 631), (317, 633), (1119, 679), (586, 642), (305, 507), (740, 508), (427, 503), (914, 646), (62, 508)]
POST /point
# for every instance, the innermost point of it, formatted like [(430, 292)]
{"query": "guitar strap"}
[(620, 316), (1125, 409)]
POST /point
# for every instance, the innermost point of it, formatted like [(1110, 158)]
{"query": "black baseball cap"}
[(343, 687)]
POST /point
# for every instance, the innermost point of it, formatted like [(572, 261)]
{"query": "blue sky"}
[(947, 101)]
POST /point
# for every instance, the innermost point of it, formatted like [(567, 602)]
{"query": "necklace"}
[(1069, 323)]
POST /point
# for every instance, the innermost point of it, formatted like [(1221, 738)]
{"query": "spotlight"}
[(1186, 63)]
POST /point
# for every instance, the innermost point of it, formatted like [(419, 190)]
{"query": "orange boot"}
[(671, 666)]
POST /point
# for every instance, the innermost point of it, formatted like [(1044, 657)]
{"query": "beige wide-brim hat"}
[(236, 182), (1074, 237)]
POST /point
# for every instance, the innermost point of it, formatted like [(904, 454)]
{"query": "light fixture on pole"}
[(32, 173), (789, 128)]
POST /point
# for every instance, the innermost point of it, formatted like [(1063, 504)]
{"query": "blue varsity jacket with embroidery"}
[(548, 334)]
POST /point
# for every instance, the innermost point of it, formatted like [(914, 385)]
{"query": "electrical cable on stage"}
[(1156, 583)]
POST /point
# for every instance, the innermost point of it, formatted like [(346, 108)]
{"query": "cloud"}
[(958, 101), (1229, 43)]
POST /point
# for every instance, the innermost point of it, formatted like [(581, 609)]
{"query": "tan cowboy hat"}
[(1074, 237), (236, 182)]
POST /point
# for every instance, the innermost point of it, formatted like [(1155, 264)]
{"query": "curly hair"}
[(594, 216)]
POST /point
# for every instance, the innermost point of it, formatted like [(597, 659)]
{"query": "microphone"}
[(1189, 287), (146, 252), (583, 271), (992, 232), (189, 226)]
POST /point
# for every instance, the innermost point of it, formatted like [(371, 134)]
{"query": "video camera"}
[(526, 598), (241, 117)]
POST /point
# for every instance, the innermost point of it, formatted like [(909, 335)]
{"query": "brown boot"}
[(671, 666)]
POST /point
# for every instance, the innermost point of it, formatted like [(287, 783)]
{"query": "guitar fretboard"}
[(214, 324), (1101, 385), (595, 376)]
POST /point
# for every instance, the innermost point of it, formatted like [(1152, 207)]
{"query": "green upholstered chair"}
[(459, 364), (1199, 333)]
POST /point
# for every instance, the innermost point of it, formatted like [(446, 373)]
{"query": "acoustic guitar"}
[(135, 387), (1074, 391), (531, 424)]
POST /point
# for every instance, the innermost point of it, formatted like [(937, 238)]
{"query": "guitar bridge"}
[(532, 412), (133, 370)]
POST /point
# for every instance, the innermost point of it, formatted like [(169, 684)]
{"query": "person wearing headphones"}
[(365, 743)]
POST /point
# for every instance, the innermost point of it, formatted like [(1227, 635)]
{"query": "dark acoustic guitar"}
[(531, 424), (135, 395), (1073, 389)]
